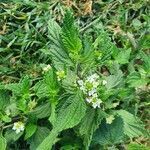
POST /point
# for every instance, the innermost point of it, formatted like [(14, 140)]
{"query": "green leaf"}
[(30, 130), (109, 134), (41, 90), (69, 147), (70, 35), (38, 137), (135, 80), (71, 112), (59, 55), (69, 81), (2, 86), (54, 31), (41, 111), (21, 92), (4, 99), (144, 42), (14, 87), (123, 56), (11, 136), (105, 46), (48, 87), (146, 64), (89, 124), (131, 125), (52, 117), (21, 88), (3, 142), (5, 118), (87, 57), (136, 23), (68, 116), (114, 80), (50, 81)]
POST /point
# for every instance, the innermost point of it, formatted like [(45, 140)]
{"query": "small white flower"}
[(83, 89), (95, 95), (46, 68), (80, 82), (96, 102), (95, 76), (82, 86), (104, 82), (89, 99), (92, 78), (90, 93), (95, 84), (89, 87), (18, 127)]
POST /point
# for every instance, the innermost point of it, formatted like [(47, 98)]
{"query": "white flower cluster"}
[(18, 127), (89, 87)]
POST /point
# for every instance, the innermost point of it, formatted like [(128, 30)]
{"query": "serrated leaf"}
[(123, 56), (68, 82), (54, 31), (30, 130), (14, 87), (68, 116), (5, 118), (109, 134), (114, 80), (135, 80), (87, 57), (89, 124), (70, 36), (41, 90), (21, 88), (12, 136), (146, 64), (144, 42), (136, 23), (51, 83), (21, 92), (131, 125), (41, 111), (4, 99), (48, 87), (38, 137), (72, 112), (105, 46), (57, 51)]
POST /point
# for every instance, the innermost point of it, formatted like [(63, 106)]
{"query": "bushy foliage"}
[(85, 92)]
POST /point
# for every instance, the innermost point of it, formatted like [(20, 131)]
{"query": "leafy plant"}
[(86, 86)]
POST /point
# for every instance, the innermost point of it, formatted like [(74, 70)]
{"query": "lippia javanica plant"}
[(83, 90)]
